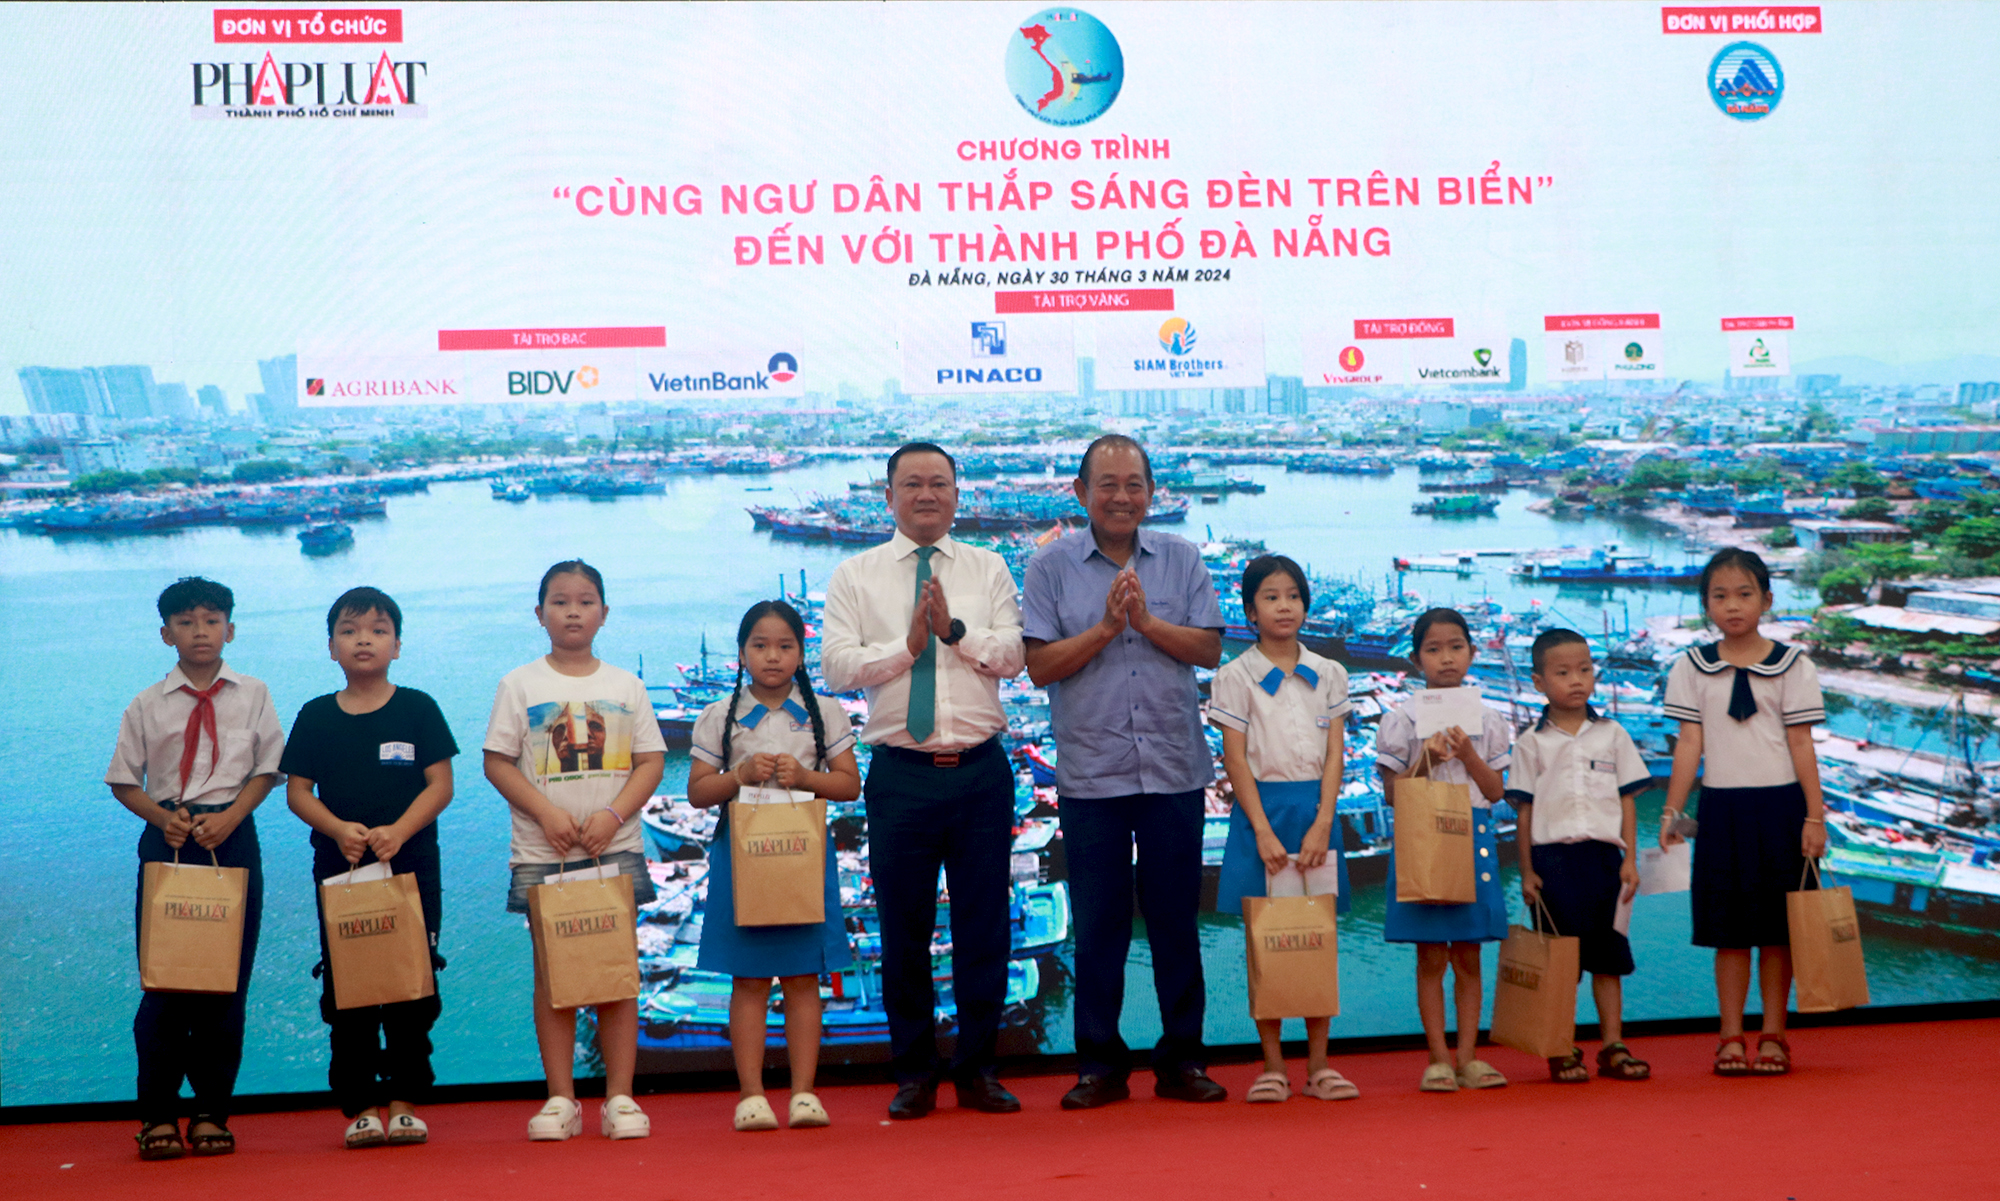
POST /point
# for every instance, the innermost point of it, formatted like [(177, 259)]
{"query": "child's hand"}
[(1667, 836), (353, 840), (1628, 875), (385, 842), (1459, 745), (1438, 747), (1813, 842), (787, 770), (178, 826), (1531, 886), (1272, 852), (211, 830), (597, 833), (560, 830), (755, 770), (1312, 848)]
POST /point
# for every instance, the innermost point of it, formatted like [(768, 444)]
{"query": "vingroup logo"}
[(1064, 67), (989, 339), (1745, 81), (1351, 359), (1177, 336)]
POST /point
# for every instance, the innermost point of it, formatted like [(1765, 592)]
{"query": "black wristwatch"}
[(957, 632)]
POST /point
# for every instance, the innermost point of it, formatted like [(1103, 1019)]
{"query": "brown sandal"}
[(153, 1144), (1731, 1065), (1630, 1067), (220, 1142), (1569, 1069), (1772, 1065)]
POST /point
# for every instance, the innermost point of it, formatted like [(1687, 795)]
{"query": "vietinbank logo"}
[(783, 367), (306, 84), (1745, 81), (780, 368), (1064, 67)]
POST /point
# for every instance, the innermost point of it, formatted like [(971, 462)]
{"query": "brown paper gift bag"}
[(1827, 963), (1534, 999), (376, 945), (191, 926), (1293, 945), (777, 861), (586, 941), (1434, 861)]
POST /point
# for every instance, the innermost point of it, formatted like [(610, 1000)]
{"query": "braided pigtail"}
[(812, 710), (729, 716)]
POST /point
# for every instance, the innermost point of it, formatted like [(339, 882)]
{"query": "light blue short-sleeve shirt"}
[(1130, 721)]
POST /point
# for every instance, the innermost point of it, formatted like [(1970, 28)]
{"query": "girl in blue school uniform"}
[(767, 735), (1449, 935), (1746, 707), (1283, 713)]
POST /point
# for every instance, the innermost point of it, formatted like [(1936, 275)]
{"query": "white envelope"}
[(1671, 870), (771, 796), (1621, 918), (1295, 881), (1439, 709), (602, 871), (361, 875)]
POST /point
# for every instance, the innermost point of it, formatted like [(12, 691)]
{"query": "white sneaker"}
[(560, 1119), (622, 1118)]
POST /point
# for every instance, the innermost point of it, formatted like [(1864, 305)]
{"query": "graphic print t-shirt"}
[(574, 738)]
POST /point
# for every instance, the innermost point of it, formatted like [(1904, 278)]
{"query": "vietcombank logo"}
[(307, 82)]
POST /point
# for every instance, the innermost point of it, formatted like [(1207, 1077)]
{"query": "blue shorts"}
[(630, 863)]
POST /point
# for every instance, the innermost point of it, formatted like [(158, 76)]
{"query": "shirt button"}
[(1482, 829), (1482, 852), (1486, 875)]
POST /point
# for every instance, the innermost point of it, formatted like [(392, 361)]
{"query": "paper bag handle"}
[(217, 863), (1812, 868), (1550, 918), (596, 864), (347, 885)]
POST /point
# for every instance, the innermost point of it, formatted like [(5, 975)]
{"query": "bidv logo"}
[(1064, 67), (989, 339), (783, 367), (1177, 336), (545, 383), (1745, 81)]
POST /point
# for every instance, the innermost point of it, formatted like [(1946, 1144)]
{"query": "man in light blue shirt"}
[(1116, 619)]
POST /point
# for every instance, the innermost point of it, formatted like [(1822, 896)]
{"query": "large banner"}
[(432, 296)]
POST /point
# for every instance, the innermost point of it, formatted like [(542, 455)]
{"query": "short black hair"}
[(1421, 628), (1262, 568), (921, 448), (571, 567), (194, 592), (356, 602), (1548, 640), (1114, 442), (1748, 561)]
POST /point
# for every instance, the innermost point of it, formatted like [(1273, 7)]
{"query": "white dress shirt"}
[(248, 740), (865, 628), (1576, 782)]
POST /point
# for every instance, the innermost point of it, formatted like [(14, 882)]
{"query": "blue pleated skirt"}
[(1484, 920), (767, 951), (1290, 806)]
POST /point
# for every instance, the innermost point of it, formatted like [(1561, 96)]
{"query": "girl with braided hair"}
[(772, 726)]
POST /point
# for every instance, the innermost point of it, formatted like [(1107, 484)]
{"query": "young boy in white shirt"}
[(196, 755)]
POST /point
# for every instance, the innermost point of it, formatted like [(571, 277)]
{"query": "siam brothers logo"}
[(1746, 81), (1177, 336), (1064, 67)]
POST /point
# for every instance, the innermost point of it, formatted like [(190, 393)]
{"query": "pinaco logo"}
[(989, 339), (366, 927), (1295, 940), (586, 925), (304, 84), (1745, 81), (1451, 823), (1520, 977), (775, 846), (1064, 67), (197, 911)]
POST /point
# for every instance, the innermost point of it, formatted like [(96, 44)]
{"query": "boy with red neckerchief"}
[(197, 753)]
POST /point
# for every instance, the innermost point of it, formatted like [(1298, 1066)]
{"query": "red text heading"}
[(1730, 323), (1087, 300), (604, 338), (1413, 327), (1601, 321), (1740, 20), (282, 25)]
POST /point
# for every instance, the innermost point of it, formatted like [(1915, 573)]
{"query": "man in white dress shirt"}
[(929, 627)]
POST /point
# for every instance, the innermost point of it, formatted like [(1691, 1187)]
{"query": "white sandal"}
[(754, 1113), (1480, 1074), (365, 1131), (1439, 1078), (1329, 1085), (806, 1111), (1269, 1087), (408, 1130)]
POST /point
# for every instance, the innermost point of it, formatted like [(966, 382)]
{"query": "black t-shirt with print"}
[(368, 767)]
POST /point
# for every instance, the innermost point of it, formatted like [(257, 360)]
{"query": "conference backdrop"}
[(717, 239)]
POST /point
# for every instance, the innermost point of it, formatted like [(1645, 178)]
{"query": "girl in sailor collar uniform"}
[(1746, 707)]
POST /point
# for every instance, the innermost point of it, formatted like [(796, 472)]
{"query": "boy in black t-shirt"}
[(380, 758)]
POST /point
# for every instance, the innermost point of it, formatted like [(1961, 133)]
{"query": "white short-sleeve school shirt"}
[(1752, 753), (248, 740), (1576, 782), (786, 730), (1397, 747), (574, 738), (1284, 716)]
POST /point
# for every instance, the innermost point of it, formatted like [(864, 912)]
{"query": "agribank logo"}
[(1746, 81), (1064, 67), (389, 389), (295, 87)]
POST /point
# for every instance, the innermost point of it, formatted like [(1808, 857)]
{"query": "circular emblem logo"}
[(1064, 66), (1177, 336), (1352, 358), (1746, 81), (586, 377), (783, 367), (1634, 351)]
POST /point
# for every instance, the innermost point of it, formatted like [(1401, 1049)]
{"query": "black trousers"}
[(381, 1053), (921, 818), (196, 1037), (1099, 834)]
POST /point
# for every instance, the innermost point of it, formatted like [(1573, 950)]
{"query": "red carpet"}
[(1876, 1112)]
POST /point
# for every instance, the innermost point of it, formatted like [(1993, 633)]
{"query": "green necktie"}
[(923, 673)]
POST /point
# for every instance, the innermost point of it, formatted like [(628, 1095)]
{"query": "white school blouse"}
[(786, 730), (1284, 719), (1397, 747), (1752, 753)]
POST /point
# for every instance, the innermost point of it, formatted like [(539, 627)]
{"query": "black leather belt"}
[(959, 758)]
